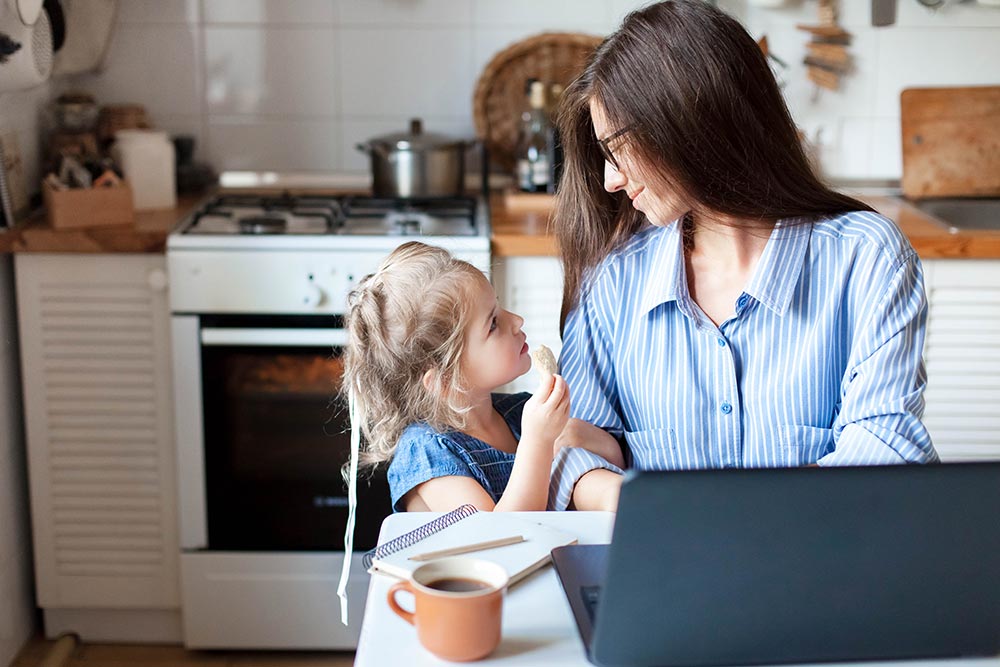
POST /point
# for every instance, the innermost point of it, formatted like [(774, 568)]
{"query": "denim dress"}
[(423, 454)]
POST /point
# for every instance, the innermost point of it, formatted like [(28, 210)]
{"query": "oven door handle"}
[(287, 337)]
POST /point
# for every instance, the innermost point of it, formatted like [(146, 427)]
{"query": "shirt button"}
[(722, 342), (726, 408), (742, 301)]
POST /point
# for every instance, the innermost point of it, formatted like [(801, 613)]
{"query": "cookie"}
[(544, 359)]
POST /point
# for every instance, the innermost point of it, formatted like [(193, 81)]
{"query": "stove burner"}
[(262, 224), (406, 223), (319, 215)]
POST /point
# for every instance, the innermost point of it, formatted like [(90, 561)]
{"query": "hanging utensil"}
[(883, 13), (25, 47)]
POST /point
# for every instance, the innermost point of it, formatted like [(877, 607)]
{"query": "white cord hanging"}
[(352, 500)]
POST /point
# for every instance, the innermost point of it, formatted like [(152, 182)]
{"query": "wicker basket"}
[(499, 100), (120, 117)]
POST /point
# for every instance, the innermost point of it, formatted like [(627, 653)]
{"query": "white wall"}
[(23, 113), (19, 112), (858, 126), (295, 84)]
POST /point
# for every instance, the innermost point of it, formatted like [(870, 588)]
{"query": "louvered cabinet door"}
[(97, 391), (962, 352), (532, 288)]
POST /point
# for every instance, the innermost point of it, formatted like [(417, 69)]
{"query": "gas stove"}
[(302, 254), (352, 222), (258, 295)]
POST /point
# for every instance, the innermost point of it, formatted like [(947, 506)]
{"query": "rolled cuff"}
[(876, 445), (568, 466)]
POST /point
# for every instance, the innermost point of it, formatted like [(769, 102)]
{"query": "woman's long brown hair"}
[(706, 116)]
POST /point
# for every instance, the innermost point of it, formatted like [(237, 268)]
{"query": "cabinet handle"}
[(157, 280)]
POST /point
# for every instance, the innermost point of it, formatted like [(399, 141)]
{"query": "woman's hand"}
[(585, 435), (547, 411)]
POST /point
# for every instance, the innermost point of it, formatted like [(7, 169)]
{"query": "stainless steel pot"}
[(416, 164)]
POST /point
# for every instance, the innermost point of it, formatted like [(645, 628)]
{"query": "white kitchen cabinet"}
[(532, 288), (963, 358), (96, 370)]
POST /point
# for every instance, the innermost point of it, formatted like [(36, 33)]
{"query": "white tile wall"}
[(858, 126), (270, 12), (271, 71), (154, 64), (275, 83), (23, 113), (406, 14), (158, 11), (252, 143), (389, 70), (546, 15), (931, 56)]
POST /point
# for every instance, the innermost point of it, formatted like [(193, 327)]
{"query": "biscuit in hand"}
[(545, 360)]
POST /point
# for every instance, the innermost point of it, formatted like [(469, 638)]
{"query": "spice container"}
[(147, 161)]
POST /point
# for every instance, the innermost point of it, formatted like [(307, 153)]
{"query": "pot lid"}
[(416, 139)]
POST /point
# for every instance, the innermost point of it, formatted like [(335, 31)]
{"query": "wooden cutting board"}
[(951, 142)]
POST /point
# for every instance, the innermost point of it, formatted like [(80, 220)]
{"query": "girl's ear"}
[(429, 379)]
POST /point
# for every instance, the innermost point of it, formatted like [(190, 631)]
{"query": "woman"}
[(722, 307)]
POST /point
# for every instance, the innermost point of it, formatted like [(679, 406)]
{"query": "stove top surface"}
[(246, 215)]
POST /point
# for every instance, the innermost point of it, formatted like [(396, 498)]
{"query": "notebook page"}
[(518, 559)]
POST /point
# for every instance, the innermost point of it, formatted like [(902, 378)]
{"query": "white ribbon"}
[(352, 504)]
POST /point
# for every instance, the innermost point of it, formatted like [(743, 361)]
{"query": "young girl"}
[(428, 344)]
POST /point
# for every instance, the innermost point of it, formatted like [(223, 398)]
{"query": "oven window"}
[(276, 436)]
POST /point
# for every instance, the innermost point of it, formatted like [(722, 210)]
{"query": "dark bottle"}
[(533, 154)]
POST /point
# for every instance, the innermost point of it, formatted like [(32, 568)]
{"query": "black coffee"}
[(458, 585)]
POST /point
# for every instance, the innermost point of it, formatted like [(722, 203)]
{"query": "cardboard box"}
[(92, 207)]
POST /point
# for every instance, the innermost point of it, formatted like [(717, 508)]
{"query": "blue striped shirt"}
[(821, 363)]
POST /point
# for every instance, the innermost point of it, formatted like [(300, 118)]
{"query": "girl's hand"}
[(547, 411)]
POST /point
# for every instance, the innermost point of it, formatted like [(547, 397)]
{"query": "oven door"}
[(268, 436)]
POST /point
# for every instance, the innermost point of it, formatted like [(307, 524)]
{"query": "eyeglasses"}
[(604, 146)]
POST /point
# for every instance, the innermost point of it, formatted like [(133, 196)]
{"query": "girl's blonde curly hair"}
[(408, 318)]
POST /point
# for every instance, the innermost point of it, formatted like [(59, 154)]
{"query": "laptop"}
[(743, 567)]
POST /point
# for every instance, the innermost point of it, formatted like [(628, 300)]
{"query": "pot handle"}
[(371, 149)]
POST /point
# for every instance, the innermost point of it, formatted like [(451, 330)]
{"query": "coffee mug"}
[(458, 605)]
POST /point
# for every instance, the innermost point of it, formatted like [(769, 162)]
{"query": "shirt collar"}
[(773, 281), (667, 280), (780, 265)]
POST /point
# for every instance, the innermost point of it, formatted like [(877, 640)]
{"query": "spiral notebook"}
[(466, 525)]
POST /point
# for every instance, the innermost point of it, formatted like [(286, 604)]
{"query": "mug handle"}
[(402, 613)]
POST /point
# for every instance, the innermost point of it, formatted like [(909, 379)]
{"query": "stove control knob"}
[(313, 296)]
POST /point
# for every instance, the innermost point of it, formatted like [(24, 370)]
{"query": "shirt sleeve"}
[(587, 361), (568, 466), (421, 455), (587, 365), (883, 397)]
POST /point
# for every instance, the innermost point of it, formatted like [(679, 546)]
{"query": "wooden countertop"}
[(521, 227), (147, 234)]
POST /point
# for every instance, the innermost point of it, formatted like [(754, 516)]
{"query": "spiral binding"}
[(414, 536)]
